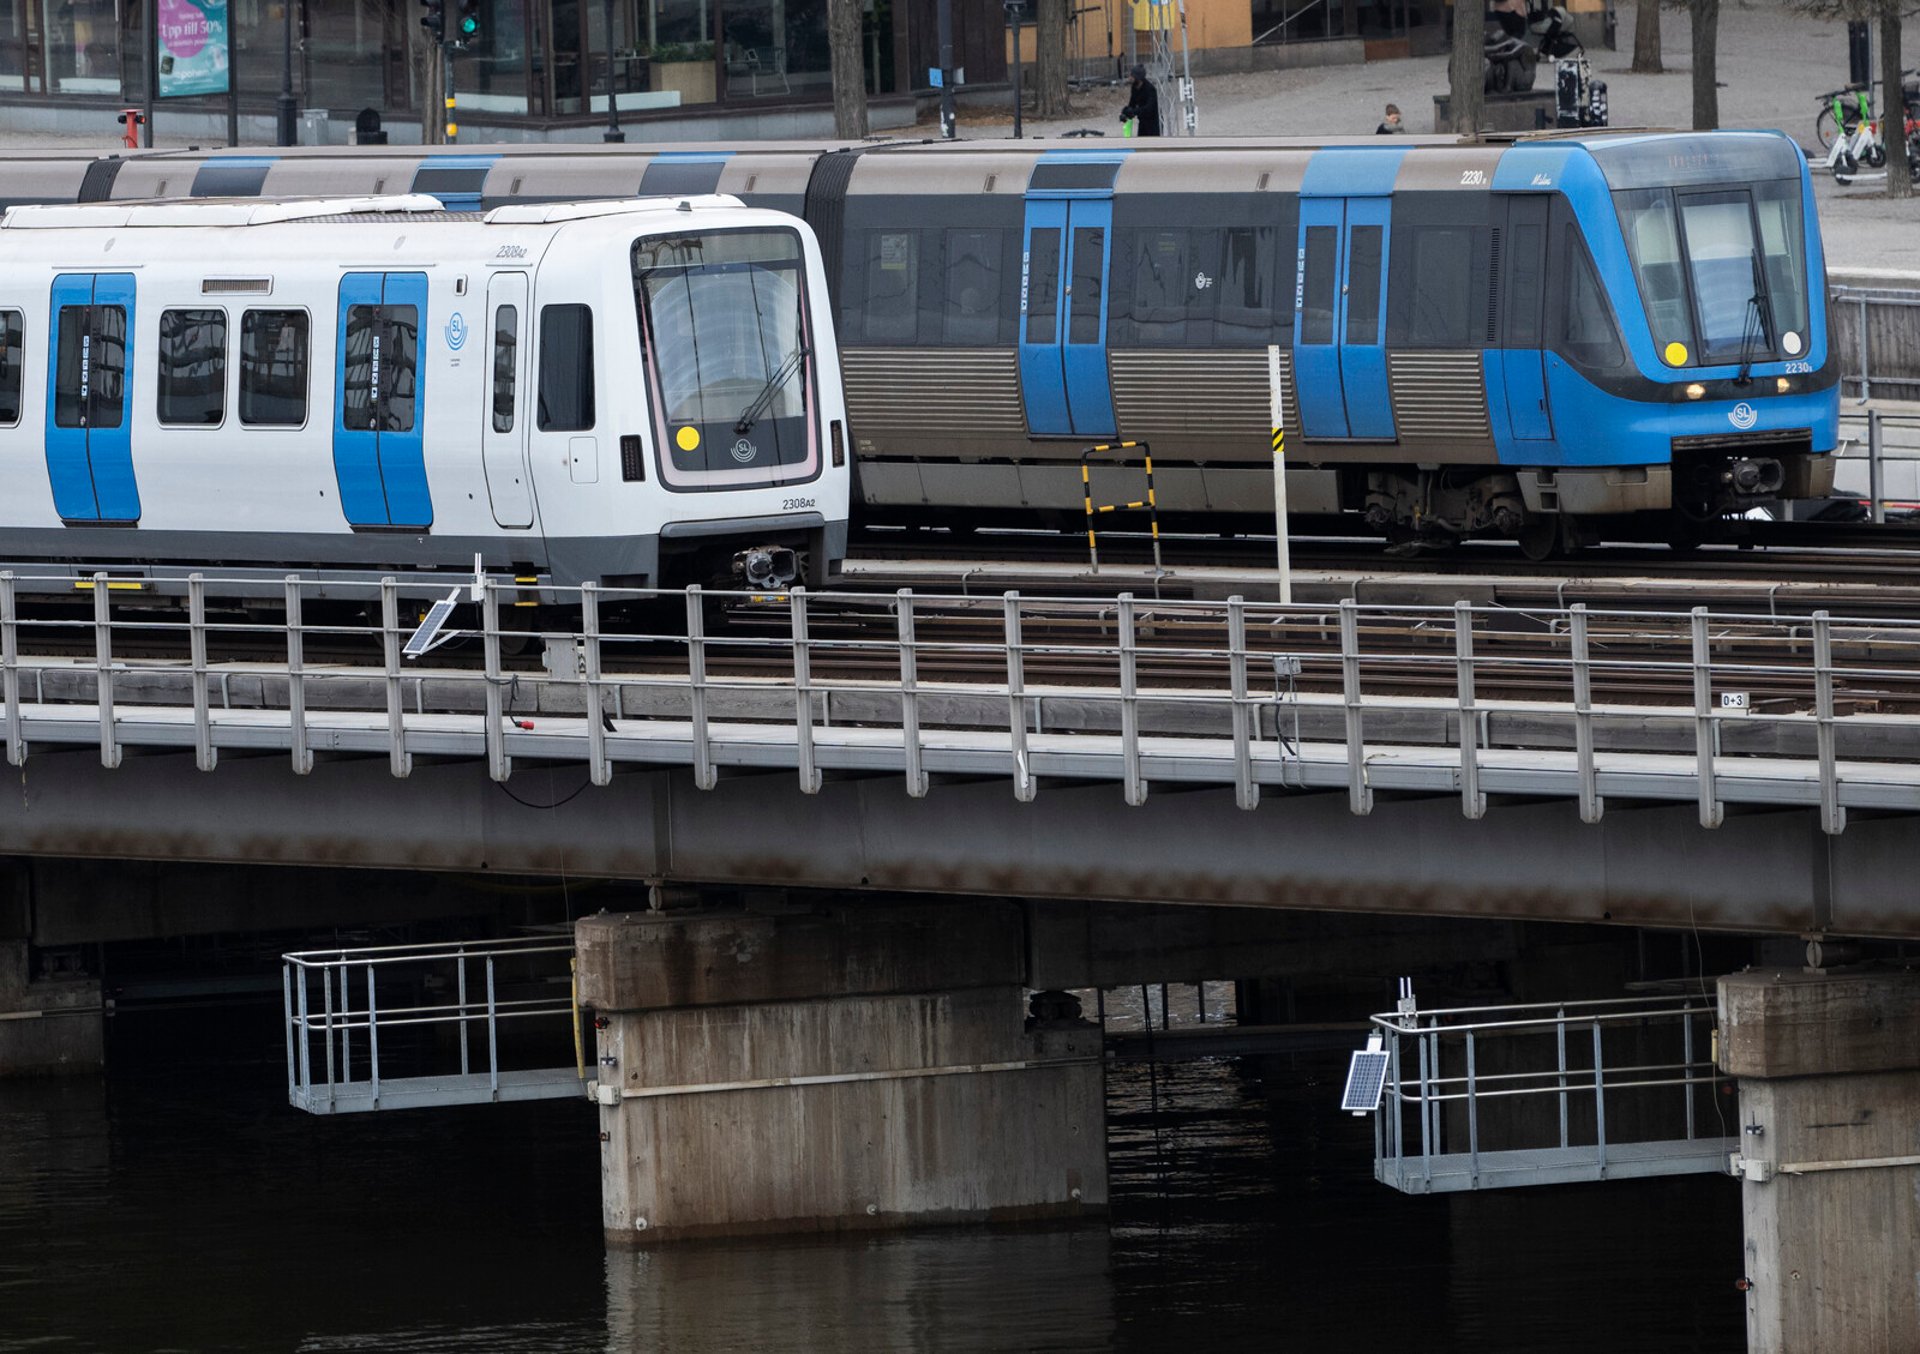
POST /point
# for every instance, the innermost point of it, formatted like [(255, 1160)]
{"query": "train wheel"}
[(1540, 537)]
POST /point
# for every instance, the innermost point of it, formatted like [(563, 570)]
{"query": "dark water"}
[(180, 1205)]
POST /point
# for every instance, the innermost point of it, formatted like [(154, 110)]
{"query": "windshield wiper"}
[(1759, 316), (751, 414)]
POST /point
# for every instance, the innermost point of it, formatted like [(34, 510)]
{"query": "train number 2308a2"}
[(794, 504)]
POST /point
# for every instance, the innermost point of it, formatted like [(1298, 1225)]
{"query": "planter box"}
[(692, 79)]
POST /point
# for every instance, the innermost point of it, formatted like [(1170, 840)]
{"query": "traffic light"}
[(469, 20), (435, 19)]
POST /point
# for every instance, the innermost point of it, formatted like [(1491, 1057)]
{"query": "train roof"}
[(242, 212)]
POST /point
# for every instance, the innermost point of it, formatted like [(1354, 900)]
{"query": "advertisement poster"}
[(193, 47)]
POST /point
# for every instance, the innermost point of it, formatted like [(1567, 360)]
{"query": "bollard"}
[(133, 120)]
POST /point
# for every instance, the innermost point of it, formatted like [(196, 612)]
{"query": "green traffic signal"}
[(469, 25)]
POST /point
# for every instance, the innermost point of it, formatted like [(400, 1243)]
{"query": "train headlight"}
[(1783, 385), (1695, 390), (1676, 354)]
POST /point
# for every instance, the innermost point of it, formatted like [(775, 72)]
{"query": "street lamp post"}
[(284, 105), (613, 132)]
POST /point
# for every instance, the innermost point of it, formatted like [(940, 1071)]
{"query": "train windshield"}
[(724, 329)]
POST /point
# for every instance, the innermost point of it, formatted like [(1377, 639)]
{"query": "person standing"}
[(1144, 104), (1391, 123)]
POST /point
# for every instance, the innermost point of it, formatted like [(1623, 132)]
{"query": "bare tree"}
[(1893, 121), (1646, 38), (1467, 73), (849, 69), (423, 56), (1706, 70), (1050, 59)]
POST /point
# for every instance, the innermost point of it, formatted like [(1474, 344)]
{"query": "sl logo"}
[(1742, 416), (743, 451), (456, 332)]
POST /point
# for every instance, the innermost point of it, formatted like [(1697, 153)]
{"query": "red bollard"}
[(133, 120)]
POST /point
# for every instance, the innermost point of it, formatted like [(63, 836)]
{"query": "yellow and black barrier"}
[(1149, 503)]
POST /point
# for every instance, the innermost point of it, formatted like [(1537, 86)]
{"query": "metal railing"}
[(1855, 341), (1470, 701), (401, 1026), (1499, 1096)]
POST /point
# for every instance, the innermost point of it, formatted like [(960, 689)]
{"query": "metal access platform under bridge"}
[(1494, 1097)]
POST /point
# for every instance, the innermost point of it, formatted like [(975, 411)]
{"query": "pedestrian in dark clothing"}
[(1392, 122), (1144, 104)]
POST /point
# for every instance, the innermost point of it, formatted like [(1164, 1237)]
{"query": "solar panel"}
[(1366, 1078), (428, 632)]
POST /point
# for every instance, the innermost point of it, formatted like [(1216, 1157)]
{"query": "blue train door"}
[(378, 455), (1340, 318), (89, 436), (1529, 416), (1063, 315)]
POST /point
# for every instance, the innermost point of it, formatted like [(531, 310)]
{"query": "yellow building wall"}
[(1210, 23)]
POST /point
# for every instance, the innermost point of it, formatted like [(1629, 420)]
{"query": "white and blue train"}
[(634, 393), (1545, 338)]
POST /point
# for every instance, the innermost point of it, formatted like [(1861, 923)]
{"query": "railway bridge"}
[(913, 807)]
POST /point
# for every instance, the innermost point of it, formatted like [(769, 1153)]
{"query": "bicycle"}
[(1837, 113)]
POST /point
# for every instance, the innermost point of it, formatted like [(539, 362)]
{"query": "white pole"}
[(1275, 408)]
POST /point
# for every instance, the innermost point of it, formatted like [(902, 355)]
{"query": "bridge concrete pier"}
[(1829, 1073), (49, 1025), (841, 1068)]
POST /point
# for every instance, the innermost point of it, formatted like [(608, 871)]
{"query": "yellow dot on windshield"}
[(1676, 354), (689, 437)]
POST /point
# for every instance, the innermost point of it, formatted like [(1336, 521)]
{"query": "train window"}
[(192, 359), (1653, 242), (1587, 336), (971, 313), (12, 329), (1245, 286), (1441, 286), (1778, 206), (90, 367), (1722, 253), (273, 368), (893, 284), (1043, 288), (1316, 297), (506, 358), (1089, 270), (1363, 284), (566, 368), (1160, 275), (382, 357)]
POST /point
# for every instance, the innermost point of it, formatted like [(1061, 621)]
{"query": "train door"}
[(89, 436), (378, 453), (503, 438), (1524, 258), (1063, 313), (1340, 318)]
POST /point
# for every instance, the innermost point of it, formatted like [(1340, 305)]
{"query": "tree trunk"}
[(423, 56), (1646, 38), (1467, 73), (1893, 122), (1706, 73), (849, 69), (1050, 59)]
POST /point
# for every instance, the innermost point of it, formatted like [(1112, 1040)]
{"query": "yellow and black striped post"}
[(1276, 395), (1150, 503)]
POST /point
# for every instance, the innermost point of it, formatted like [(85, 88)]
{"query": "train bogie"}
[(362, 387)]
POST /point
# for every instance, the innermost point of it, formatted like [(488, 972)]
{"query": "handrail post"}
[(1560, 1040), (460, 996), (398, 761), (703, 773), (373, 1036), (1136, 785), (10, 671), (306, 1039), (499, 763), (1833, 818), (599, 769), (297, 682), (326, 994), (103, 668), (803, 693), (1876, 471), (286, 1008), (1712, 812), (1473, 1115), (1023, 780), (1472, 802), (1246, 793), (493, 1034), (1359, 793), (1591, 804), (909, 695), (203, 751), (1599, 1104)]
